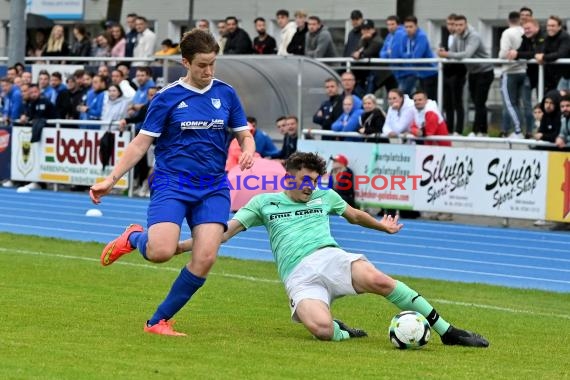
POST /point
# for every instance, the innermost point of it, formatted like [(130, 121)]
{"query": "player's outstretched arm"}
[(134, 152), (234, 228), (386, 224)]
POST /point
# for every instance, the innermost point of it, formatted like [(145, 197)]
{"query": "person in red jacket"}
[(428, 121)]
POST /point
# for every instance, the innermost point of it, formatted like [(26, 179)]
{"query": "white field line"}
[(7, 251)]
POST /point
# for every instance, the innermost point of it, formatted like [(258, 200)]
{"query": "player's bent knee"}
[(160, 253), (205, 258)]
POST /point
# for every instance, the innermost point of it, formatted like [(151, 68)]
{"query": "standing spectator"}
[(400, 114), (222, 39), (563, 138), (372, 119), (117, 78), (515, 84), (297, 44), (118, 42), (263, 43), (203, 25), (454, 76), (290, 127), (556, 45), (369, 47), (537, 115), (45, 88), (102, 46), (25, 91), (532, 43), (263, 143), (349, 88), (468, 44), (319, 43), (288, 29), (62, 99), (238, 41), (114, 106), (81, 46), (131, 37), (415, 44), (93, 107), (144, 80), (12, 100), (168, 48), (353, 39), (349, 120), (146, 41), (550, 123), (76, 98), (103, 72), (126, 70), (393, 41), (428, 121), (37, 44), (331, 109), (56, 45)]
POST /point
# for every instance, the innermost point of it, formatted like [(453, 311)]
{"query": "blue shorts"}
[(205, 207)]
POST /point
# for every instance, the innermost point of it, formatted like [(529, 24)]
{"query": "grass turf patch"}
[(63, 316)]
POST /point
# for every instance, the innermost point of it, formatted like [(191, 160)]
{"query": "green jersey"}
[(296, 229)]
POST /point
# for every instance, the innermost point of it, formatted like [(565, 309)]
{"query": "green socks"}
[(407, 299), (339, 334)]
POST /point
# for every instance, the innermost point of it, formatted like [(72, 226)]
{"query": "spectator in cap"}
[(353, 39), (342, 177)]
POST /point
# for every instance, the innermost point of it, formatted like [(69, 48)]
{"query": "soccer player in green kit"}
[(312, 266)]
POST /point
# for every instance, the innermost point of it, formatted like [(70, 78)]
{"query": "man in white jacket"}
[(288, 29), (146, 41)]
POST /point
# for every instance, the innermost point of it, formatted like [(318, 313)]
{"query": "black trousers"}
[(453, 102), (479, 85)]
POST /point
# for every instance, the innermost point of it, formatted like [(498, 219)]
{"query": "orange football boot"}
[(120, 246), (163, 327)]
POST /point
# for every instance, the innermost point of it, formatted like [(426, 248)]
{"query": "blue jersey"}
[(192, 130)]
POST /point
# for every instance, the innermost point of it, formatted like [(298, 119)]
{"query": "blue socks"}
[(139, 240), (185, 285)]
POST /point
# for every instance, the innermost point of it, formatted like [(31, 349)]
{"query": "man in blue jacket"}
[(392, 43), (415, 44)]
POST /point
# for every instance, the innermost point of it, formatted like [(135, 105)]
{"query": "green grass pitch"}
[(63, 316)]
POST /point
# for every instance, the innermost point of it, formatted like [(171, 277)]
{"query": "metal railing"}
[(348, 63), (409, 137)]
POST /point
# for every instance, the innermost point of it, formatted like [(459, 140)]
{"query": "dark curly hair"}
[(303, 160)]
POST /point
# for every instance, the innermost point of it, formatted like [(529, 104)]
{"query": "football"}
[(409, 329)]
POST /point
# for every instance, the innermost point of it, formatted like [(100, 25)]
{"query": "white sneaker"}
[(33, 186), (516, 135), (471, 134), (8, 183), (542, 223), (456, 134)]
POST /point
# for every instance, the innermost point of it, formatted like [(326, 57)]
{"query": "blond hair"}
[(55, 44)]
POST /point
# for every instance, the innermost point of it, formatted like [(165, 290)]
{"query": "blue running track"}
[(447, 251)]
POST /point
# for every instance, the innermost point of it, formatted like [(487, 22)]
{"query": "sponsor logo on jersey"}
[(202, 124)]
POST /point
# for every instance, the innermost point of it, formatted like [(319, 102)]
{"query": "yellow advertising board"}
[(558, 190)]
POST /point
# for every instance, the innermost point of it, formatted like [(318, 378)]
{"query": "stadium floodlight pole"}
[(300, 97), (17, 39)]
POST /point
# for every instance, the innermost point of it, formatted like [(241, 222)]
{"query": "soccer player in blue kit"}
[(188, 120)]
